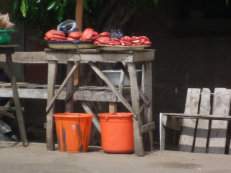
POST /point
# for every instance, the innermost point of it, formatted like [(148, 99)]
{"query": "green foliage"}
[(156, 2), (47, 14), (43, 13)]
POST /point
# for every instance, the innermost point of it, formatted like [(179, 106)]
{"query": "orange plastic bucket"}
[(117, 132), (73, 131)]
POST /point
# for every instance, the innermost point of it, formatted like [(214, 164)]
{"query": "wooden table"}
[(8, 50), (141, 98)]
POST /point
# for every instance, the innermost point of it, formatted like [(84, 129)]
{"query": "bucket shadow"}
[(94, 148)]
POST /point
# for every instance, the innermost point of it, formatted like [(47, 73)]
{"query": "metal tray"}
[(71, 44), (121, 47)]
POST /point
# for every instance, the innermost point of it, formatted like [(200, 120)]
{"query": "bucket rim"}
[(115, 115), (73, 115)]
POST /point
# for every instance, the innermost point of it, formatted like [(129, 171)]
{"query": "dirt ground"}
[(14, 158)]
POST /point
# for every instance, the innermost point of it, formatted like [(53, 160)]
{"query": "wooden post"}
[(70, 87), (138, 140), (79, 13), (79, 21), (16, 100), (112, 107), (52, 70), (147, 90)]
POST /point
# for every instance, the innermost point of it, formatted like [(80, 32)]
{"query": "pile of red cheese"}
[(99, 39), (87, 35), (104, 39)]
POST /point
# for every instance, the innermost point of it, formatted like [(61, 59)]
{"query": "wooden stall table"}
[(141, 98), (8, 50)]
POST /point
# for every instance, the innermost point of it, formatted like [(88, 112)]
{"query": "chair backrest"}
[(200, 135)]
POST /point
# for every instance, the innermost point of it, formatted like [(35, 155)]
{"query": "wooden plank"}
[(17, 103), (112, 107), (146, 88), (83, 94), (112, 87), (121, 82), (221, 105), (146, 55), (94, 119), (203, 125), (6, 108), (69, 88), (138, 140), (76, 75), (5, 113), (197, 116), (147, 127), (70, 73), (26, 57), (51, 79), (41, 57), (189, 125), (94, 57)]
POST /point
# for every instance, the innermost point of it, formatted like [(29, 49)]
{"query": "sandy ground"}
[(36, 159)]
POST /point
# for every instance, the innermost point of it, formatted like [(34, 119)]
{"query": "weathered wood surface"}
[(138, 139), (69, 88), (17, 103), (27, 57), (5, 113), (203, 125), (70, 73), (189, 125), (218, 132), (146, 88), (112, 107), (112, 87), (147, 127), (63, 57), (197, 116), (94, 119), (101, 94), (7, 49), (51, 79)]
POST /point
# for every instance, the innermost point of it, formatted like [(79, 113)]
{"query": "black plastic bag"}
[(116, 33), (67, 26)]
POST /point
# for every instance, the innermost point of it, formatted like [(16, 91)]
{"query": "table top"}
[(7, 48), (8, 45), (85, 56)]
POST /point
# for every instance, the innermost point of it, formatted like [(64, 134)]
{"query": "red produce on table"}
[(103, 40), (87, 34), (74, 35), (104, 34)]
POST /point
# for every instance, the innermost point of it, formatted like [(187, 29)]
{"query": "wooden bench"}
[(204, 123)]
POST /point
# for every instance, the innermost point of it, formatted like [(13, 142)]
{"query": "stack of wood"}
[(5, 23)]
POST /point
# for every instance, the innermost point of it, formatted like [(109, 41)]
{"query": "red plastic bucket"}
[(73, 131), (117, 132)]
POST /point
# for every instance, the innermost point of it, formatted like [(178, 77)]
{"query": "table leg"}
[(16, 100), (70, 87), (138, 141), (112, 107), (147, 90), (52, 70)]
